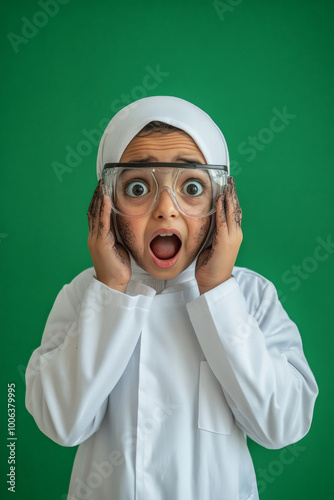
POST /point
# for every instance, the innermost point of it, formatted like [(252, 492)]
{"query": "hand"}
[(215, 264), (111, 261)]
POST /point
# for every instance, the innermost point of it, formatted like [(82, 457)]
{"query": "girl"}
[(164, 356)]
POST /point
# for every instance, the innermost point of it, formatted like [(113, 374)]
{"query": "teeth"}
[(165, 234)]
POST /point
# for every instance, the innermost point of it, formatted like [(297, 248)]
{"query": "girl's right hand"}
[(111, 260)]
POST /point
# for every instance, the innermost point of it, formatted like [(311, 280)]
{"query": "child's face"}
[(163, 257)]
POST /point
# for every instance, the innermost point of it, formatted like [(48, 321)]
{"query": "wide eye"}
[(136, 189), (192, 188)]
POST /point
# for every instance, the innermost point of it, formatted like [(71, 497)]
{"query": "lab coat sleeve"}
[(88, 340), (255, 352)]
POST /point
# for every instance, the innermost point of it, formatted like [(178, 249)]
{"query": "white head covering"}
[(172, 110)]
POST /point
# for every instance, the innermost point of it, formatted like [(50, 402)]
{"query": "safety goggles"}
[(134, 188)]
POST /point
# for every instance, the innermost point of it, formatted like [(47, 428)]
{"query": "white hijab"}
[(172, 110)]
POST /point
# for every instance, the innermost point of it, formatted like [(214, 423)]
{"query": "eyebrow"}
[(184, 159), (187, 159)]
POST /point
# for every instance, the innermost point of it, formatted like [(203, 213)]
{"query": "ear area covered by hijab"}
[(172, 110)]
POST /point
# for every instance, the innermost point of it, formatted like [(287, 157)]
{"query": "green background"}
[(237, 60)]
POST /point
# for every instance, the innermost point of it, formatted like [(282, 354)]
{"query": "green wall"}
[(64, 74)]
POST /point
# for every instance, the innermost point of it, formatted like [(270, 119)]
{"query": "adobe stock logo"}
[(223, 7), (131, 440), (74, 155), (259, 141), (298, 273), (3, 236), (30, 28), (276, 468)]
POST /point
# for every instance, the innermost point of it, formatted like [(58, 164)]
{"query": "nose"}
[(165, 207)]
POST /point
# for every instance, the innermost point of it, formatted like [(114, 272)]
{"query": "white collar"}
[(162, 286)]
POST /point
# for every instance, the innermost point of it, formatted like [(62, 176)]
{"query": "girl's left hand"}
[(215, 264)]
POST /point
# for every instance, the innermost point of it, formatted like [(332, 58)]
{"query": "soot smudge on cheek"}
[(203, 231), (199, 239), (128, 237), (125, 231)]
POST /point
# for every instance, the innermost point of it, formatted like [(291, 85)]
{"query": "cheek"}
[(201, 230), (126, 231)]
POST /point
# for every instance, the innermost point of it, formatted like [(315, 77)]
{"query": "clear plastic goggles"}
[(134, 188)]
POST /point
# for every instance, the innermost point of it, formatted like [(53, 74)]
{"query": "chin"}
[(167, 274), (162, 274)]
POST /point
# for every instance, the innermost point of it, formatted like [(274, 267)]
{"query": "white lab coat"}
[(161, 389)]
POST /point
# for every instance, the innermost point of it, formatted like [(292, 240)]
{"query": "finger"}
[(233, 206), (101, 221), (96, 196), (229, 204), (94, 207), (237, 208), (92, 212), (221, 221), (105, 228)]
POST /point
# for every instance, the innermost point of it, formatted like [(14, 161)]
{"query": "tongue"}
[(165, 247)]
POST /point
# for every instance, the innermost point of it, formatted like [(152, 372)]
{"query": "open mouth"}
[(165, 248)]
